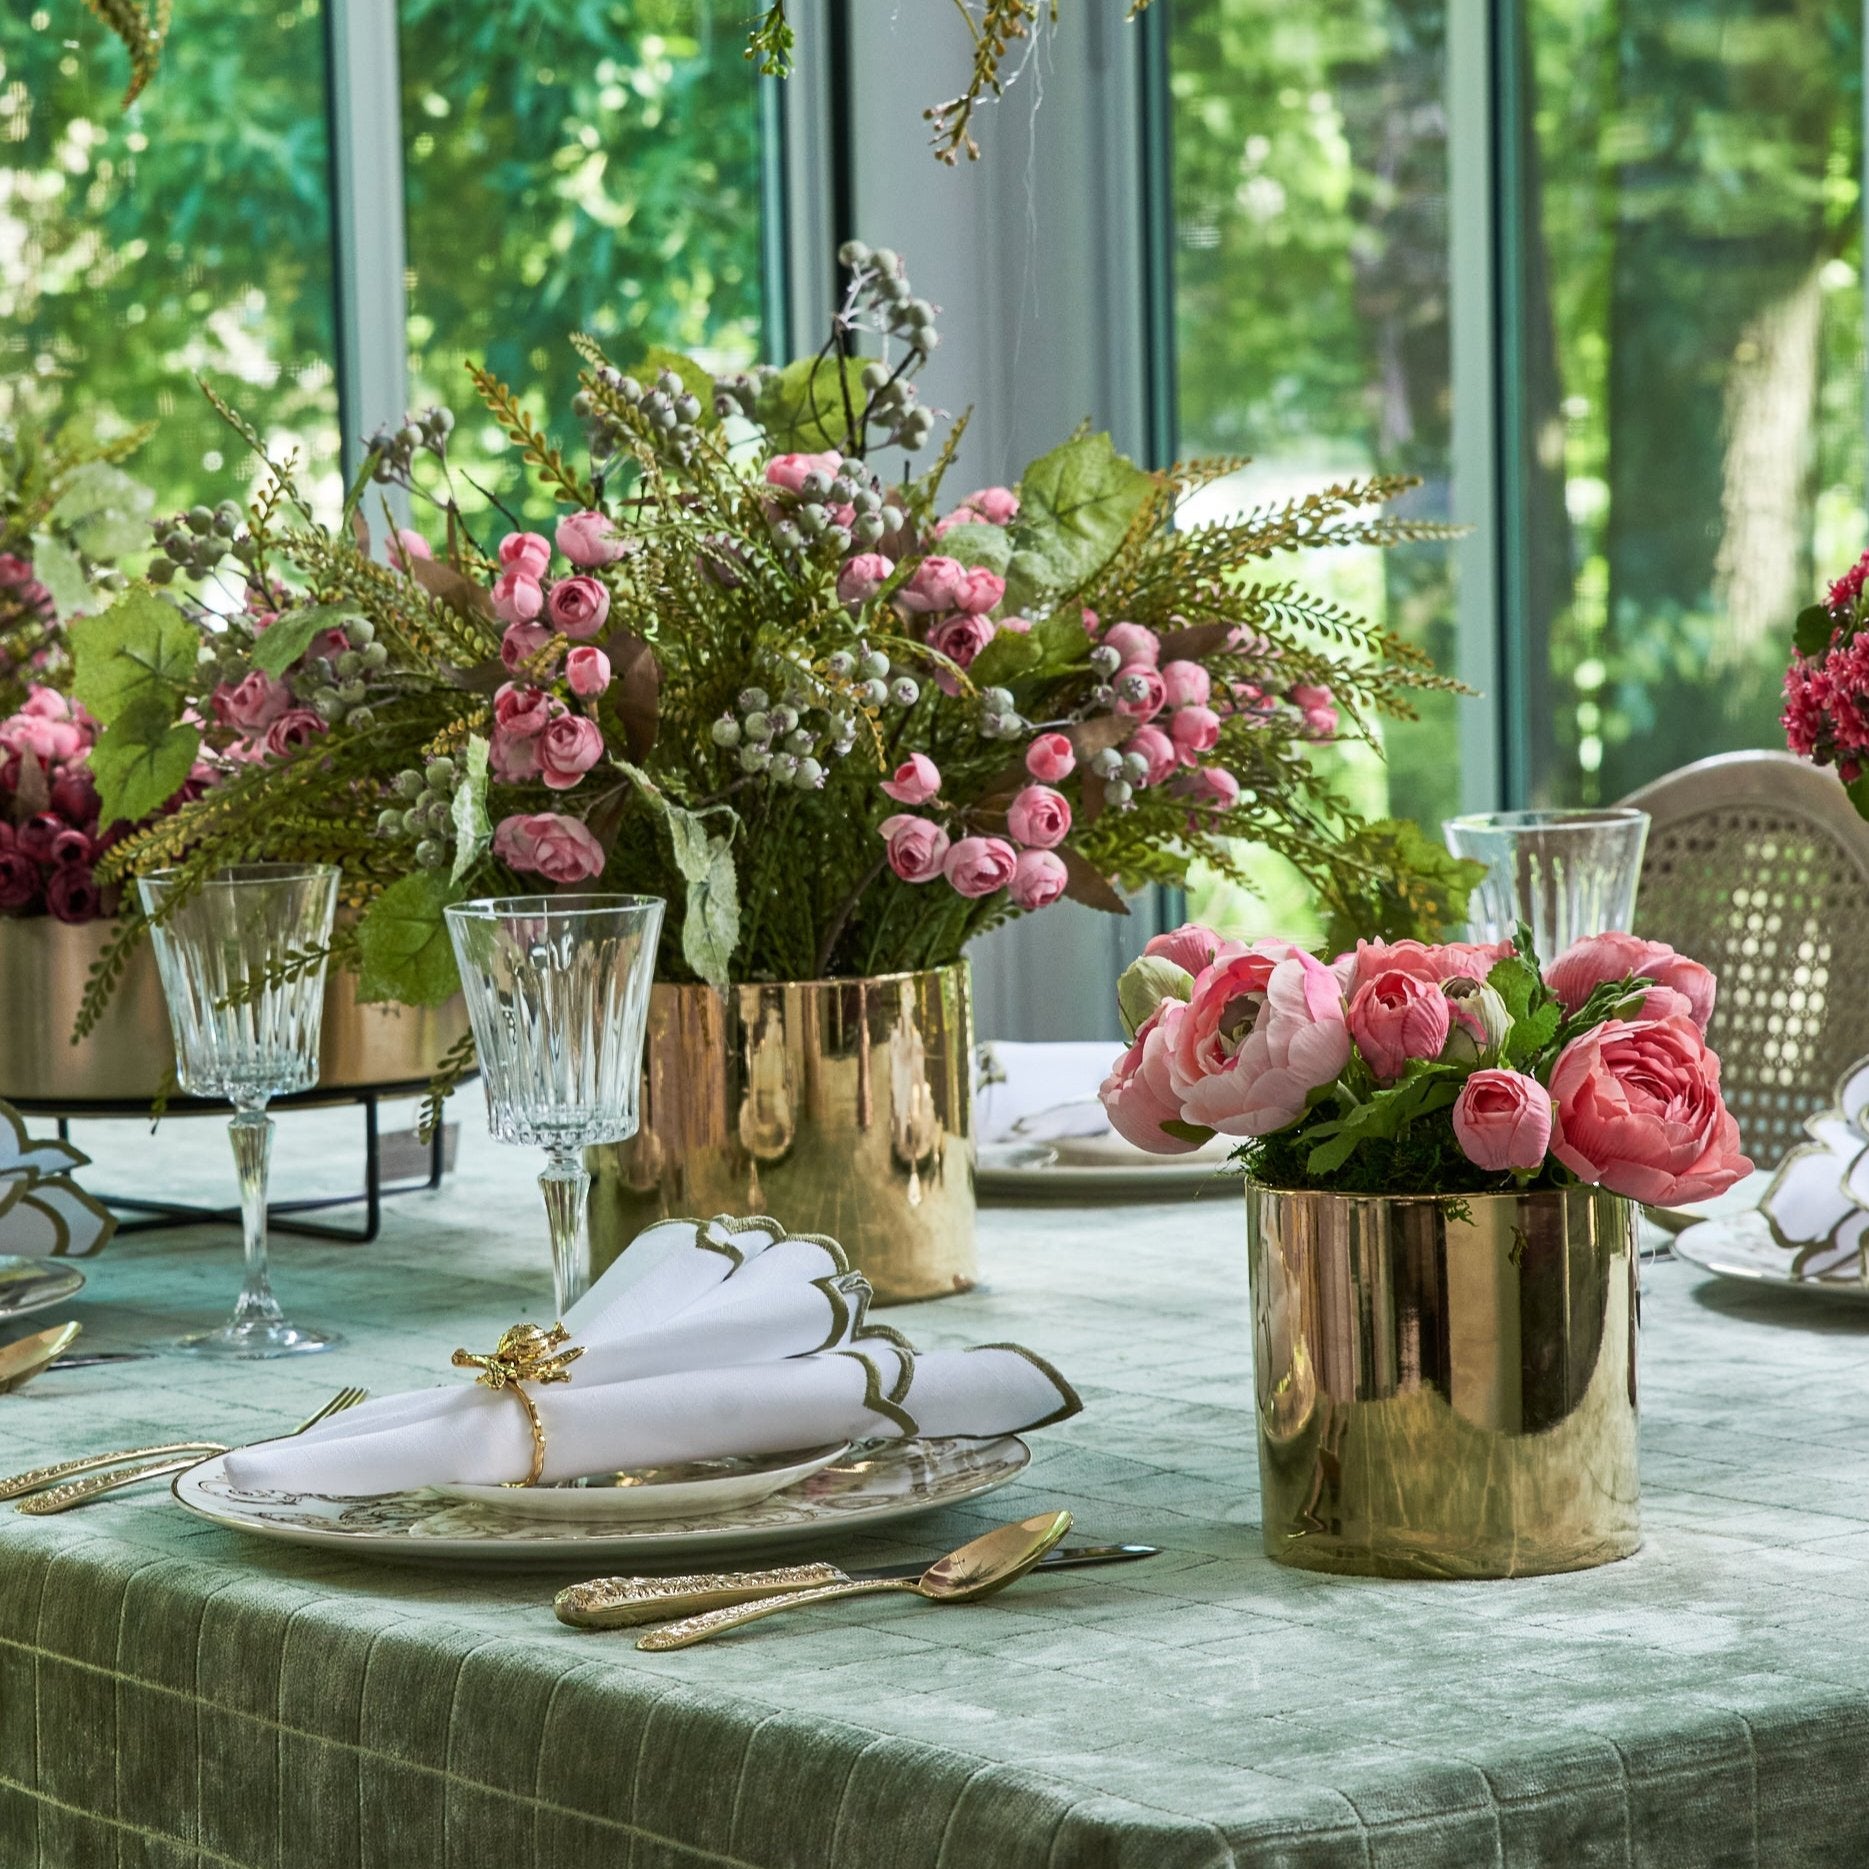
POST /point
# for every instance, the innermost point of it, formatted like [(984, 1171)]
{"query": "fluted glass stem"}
[(251, 1133), (565, 1185)]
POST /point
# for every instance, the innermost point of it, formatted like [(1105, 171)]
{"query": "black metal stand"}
[(156, 1215)]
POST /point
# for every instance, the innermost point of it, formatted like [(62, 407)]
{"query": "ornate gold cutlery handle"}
[(622, 1602), (38, 1478), (718, 1621), (80, 1492)]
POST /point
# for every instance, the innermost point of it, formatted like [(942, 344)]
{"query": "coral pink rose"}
[(1196, 730), (252, 704), (1596, 958), (517, 597), (523, 710), (1039, 818), (568, 749), (1154, 746), (404, 546), (587, 669), (1134, 643), (588, 540), (1449, 960), (1138, 1095), (1193, 947), (1039, 878), (917, 848), (1397, 1017), (1264, 1029), (979, 866), (292, 730), (521, 643), (578, 606), (861, 577), (1502, 1121), (551, 845), (1186, 684), (916, 780), (789, 470), (1637, 1109), (1139, 691), (941, 584), (527, 553), (1051, 757), (960, 639)]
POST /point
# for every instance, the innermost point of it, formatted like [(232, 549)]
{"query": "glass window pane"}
[(190, 234), (593, 167)]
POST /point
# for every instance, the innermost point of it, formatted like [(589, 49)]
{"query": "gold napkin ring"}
[(525, 1354)]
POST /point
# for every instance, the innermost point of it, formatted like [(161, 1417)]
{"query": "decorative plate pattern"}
[(32, 1284), (868, 1486)]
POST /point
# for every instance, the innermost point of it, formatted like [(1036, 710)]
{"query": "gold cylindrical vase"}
[(1445, 1386), (842, 1107)]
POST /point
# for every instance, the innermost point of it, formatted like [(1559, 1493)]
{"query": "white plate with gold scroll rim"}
[(862, 1489), (32, 1284)]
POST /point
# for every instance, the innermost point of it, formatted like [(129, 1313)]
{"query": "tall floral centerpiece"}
[(761, 665), (1444, 1146), (1826, 714)]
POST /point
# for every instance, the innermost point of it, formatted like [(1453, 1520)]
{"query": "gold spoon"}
[(21, 1361), (978, 1569)]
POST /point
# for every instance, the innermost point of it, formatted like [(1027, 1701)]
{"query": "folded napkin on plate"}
[(44, 1214), (703, 1339)]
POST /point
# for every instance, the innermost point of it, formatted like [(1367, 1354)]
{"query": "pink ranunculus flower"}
[(934, 587), (19, 881), (979, 590), (1039, 818), (1318, 707), (72, 895), (404, 546), (526, 553), (524, 711), (549, 844), (587, 669), (46, 703), (74, 797), (1139, 1095), (862, 576), (960, 639), (1596, 958), (1148, 699), (1051, 757), (512, 758), (1637, 1109), (72, 846), (917, 847), (789, 470), (1264, 1030), (521, 643), (980, 866), (1193, 947), (1039, 878), (916, 780), (588, 540), (1502, 1121), (296, 728), (1447, 960), (578, 606), (1153, 745), (1017, 626), (1397, 1017), (1186, 684), (1195, 730), (1214, 787), (517, 597), (1134, 643), (252, 704), (998, 506), (568, 749)]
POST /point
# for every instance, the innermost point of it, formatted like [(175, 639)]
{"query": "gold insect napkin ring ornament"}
[(525, 1354)]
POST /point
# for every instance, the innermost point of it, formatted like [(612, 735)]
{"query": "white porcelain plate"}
[(32, 1284), (1750, 1249), (1034, 1171), (694, 1488), (862, 1488)]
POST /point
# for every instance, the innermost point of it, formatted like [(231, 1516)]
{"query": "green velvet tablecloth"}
[(172, 1695)]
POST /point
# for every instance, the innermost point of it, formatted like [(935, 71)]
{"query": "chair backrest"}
[(1758, 865)]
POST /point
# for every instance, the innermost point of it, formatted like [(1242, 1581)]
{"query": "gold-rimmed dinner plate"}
[(1748, 1249), (1019, 1170), (28, 1285), (863, 1488)]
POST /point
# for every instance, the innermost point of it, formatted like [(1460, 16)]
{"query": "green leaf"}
[(989, 547), (1010, 656), (1517, 983), (105, 511), (290, 634), (1076, 504), (56, 566), (1813, 630), (1186, 1132), (1029, 582), (141, 647), (473, 829), (1858, 790), (802, 408), (1531, 1034), (141, 760), (710, 928), (403, 944), (1062, 644)]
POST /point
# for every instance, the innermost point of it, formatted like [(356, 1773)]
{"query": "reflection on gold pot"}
[(1445, 1386), (837, 1106)]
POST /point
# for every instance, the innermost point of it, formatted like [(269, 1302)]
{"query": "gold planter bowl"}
[(1445, 1386), (842, 1107), (128, 1058)]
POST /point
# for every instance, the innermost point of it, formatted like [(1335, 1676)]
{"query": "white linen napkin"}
[(703, 1339), (44, 1214)]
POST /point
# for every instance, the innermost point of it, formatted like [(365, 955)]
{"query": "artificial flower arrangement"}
[(1405, 1068), (1826, 715), (847, 720)]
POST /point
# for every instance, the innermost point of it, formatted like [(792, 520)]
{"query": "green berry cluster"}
[(668, 407), (196, 541), (426, 814), (424, 431), (337, 688)]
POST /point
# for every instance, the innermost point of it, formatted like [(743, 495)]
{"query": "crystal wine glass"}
[(246, 1007), (558, 993), (1565, 874)]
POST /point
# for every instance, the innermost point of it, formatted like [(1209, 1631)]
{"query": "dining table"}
[(176, 1695)]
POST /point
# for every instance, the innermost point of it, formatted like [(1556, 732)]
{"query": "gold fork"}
[(152, 1463)]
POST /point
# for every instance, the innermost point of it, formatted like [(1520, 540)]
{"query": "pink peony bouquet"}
[(1403, 1068), (1826, 716), (49, 831)]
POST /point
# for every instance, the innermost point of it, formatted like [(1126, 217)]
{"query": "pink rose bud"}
[(1186, 684), (1138, 685), (512, 756), (1214, 786), (252, 704), (521, 643), (1139, 1095), (917, 848), (1039, 818), (980, 866), (998, 506), (1134, 643), (1196, 730), (72, 847), (527, 553), (916, 780), (960, 639), (1038, 879), (548, 844), (1018, 626), (1192, 947), (517, 597), (405, 545), (1051, 757), (863, 576), (588, 539), (1153, 745), (587, 669), (293, 730), (1396, 1017), (568, 749), (578, 606), (789, 470), (934, 587), (1596, 958), (524, 710), (1308, 694), (978, 590), (1502, 1121), (73, 896)]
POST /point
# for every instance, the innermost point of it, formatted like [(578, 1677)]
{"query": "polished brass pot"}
[(128, 1058), (1445, 1386), (842, 1107)]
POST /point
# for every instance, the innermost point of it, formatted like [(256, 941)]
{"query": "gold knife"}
[(624, 1602)]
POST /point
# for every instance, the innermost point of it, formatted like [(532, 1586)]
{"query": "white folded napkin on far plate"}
[(44, 1214), (703, 1339)]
